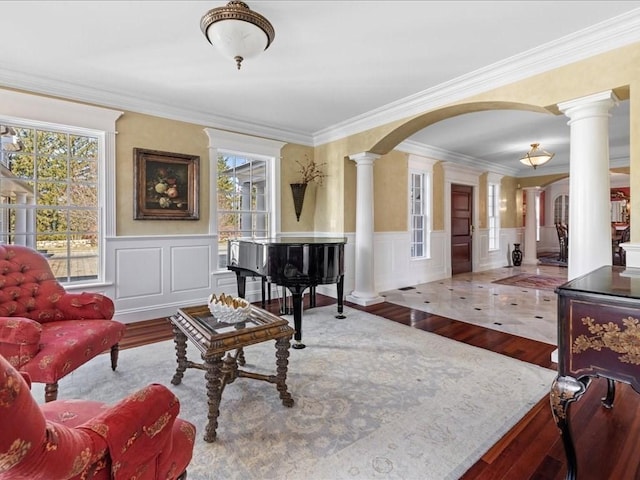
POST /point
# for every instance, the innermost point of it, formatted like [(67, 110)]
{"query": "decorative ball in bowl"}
[(228, 309)]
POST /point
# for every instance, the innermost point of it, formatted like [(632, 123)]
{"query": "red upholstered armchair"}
[(44, 330), (138, 438)]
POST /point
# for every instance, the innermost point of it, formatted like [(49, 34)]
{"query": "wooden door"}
[(461, 228)]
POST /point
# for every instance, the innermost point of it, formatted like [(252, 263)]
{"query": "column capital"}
[(535, 189), (595, 103), (364, 158)]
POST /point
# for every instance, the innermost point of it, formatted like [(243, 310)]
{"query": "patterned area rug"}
[(373, 399), (551, 259), (527, 280)]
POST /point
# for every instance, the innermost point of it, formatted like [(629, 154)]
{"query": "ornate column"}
[(364, 293), (530, 227), (589, 192)]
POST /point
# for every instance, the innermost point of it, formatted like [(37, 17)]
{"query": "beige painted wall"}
[(438, 197), (390, 181), (331, 207), (482, 193), (292, 158), (332, 199), (618, 70), (509, 217), (144, 131)]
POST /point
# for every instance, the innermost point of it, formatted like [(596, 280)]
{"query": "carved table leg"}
[(564, 391), (240, 357), (282, 356), (50, 392), (607, 401), (115, 349), (215, 385), (180, 340)]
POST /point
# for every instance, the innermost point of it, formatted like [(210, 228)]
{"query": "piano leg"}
[(263, 286), (312, 296), (241, 281), (284, 305), (296, 294), (340, 287)]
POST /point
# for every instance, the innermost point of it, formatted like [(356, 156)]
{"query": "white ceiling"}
[(334, 68)]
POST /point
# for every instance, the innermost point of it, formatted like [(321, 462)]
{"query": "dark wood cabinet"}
[(598, 336)]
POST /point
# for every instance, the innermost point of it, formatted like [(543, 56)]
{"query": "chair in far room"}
[(563, 241), (45, 330), (619, 255)]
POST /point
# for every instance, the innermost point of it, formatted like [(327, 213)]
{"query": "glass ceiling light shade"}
[(237, 31), (536, 156)]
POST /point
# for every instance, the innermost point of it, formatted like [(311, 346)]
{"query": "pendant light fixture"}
[(237, 31), (536, 156)]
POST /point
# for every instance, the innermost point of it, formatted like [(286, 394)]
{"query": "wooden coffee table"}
[(215, 339)]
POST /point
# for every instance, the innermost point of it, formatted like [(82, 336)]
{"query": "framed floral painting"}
[(165, 185)]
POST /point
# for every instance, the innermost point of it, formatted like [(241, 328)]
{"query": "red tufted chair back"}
[(45, 330), (27, 285)]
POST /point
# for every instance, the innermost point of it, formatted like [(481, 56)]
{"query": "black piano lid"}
[(280, 240)]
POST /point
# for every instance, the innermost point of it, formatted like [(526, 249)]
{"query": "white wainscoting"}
[(154, 275), (496, 258), (151, 276), (393, 266)]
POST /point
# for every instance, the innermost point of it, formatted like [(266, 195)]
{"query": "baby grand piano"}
[(291, 262)]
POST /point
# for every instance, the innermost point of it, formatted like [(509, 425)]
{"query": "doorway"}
[(461, 228)]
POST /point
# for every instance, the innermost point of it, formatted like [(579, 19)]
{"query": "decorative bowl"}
[(228, 309)]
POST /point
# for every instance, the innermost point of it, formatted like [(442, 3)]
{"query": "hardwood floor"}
[(606, 440)]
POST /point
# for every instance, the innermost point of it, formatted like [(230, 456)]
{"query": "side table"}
[(215, 339), (598, 336)]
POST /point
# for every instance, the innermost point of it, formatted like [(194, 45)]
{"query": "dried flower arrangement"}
[(311, 172)]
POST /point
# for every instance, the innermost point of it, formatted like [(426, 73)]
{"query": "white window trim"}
[(44, 112), (261, 148), (422, 165), (495, 179)]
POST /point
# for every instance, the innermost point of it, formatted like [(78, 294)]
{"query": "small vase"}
[(516, 255), (297, 190)]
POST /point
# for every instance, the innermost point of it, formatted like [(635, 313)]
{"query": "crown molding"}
[(70, 91), (603, 37), (416, 148)]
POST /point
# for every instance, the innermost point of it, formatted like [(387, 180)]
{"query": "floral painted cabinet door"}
[(598, 335)]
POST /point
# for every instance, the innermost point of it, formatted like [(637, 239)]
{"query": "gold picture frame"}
[(166, 185)]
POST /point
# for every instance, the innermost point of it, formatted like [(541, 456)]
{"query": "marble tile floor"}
[(473, 298)]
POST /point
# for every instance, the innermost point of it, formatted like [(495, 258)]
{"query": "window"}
[(420, 172), (49, 196), (41, 137), (418, 215), (561, 209), (493, 215), (246, 201), (242, 193)]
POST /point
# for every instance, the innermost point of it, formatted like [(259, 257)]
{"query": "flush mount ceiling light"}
[(237, 31), (536, 156)]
